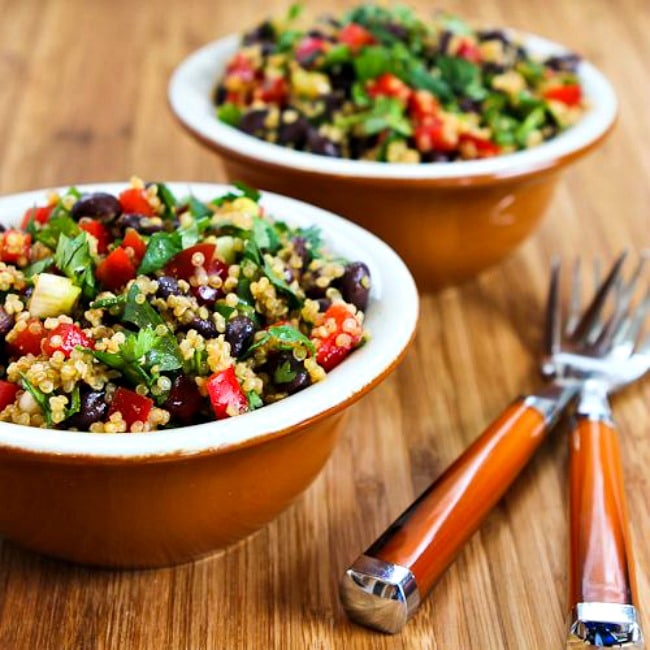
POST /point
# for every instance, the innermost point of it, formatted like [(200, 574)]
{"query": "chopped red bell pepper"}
[(226, 395), (99, 231), (116, 270), (28, 341), (134, 201), (39, 215), (388, 85), (240, 66), (485, 148), (422, 105), (309, 48), (8, 392), (181, 266), (133, 241), (355, 36), (469, 51), (344, 334), (571, 94), (15, 246), (430, 135), (133, 406), (274, 90), (66, 337)]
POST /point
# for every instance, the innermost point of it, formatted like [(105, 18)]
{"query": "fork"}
[(602, 589), (385, 585)]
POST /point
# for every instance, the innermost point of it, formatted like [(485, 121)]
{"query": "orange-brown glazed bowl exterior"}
[(165, 497), (447, 220)]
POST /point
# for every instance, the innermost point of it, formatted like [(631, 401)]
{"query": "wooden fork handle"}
[(417, 548), (602, 587)]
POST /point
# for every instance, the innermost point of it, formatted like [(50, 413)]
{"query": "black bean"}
[(491, 68), (322, 146), (444, 42), (323, 304), (564, 62), (355, 284), (342, 78), (468, 105), (220, 95), (93, 409), (294, 132), (139, 222), (301, 250), (6, 322), (398, 31), (252, 122), (493, 35), (205, 327), (263, 32), (2, 228), (98, 205), (168, 286), (239, 333), (206, 295), (184, 401), (289, 374), (437, 156)]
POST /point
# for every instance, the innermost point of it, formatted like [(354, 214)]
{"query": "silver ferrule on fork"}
[(593, 403), (605, 625), (551, 401), (379, 594)]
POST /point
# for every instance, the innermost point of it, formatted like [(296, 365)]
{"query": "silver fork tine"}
[(574, 300), (589, 320)]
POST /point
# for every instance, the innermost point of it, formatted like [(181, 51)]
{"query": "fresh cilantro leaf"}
[(131, 370), (282, 337), (168, 200), (38, 267), (161, 248), (56, 226), (288, 38), (419, 77), (294, 11), (165, 354), (254, 400), (198, 209), (284, 373), (247, 191), (229, 114), (265, 236), (464, 77), (337, 55), (292, 298), (140, 314), (371, 62), (75, 403), (40, 398), (72, 258), (105, 303)]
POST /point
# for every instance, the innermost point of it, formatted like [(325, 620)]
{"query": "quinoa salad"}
[(142, 310), (383, 84)]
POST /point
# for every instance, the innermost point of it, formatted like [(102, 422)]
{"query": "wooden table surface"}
[(82, 98)]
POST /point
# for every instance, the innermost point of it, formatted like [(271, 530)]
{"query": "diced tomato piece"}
[(116, 270), (181, 266), (14, 247), (99, 231), (28, 341), (469, 51), (355, 36), (422, 105), (226, 395), (39, 215), (430, 136), (309, 48), (66, 337), (388, 85), (274, 90), (131, 405), (133, 241), (241, 67), (571, 94), (8, 392), (344, 334), (485, 148), (134, 201)]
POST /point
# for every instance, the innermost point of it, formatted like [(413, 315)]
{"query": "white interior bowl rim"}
[(392, 317), (190, 92)]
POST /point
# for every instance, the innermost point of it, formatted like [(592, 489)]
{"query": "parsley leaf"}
[(140, 314), (282, 337), (161, 248), (254, 400), (72, 257), (40, 398), (168, 200), (57, 225)]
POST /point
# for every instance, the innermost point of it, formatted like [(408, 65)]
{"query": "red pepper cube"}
[(308, 49), (355, 36), (39, 215), (28, 340), (132, 406), (226, 395), (99, 231), (116, 270), (344, 334), (422, 105), (7, 393), (14, 247), (571, 94), (485, 148), (184, 264), (469, 51), (66, 337), (133, 241), (134, 201), (430, 135), (388, 85)]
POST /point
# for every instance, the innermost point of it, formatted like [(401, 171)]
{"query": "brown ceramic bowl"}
[(154, 499), (447, 220)]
